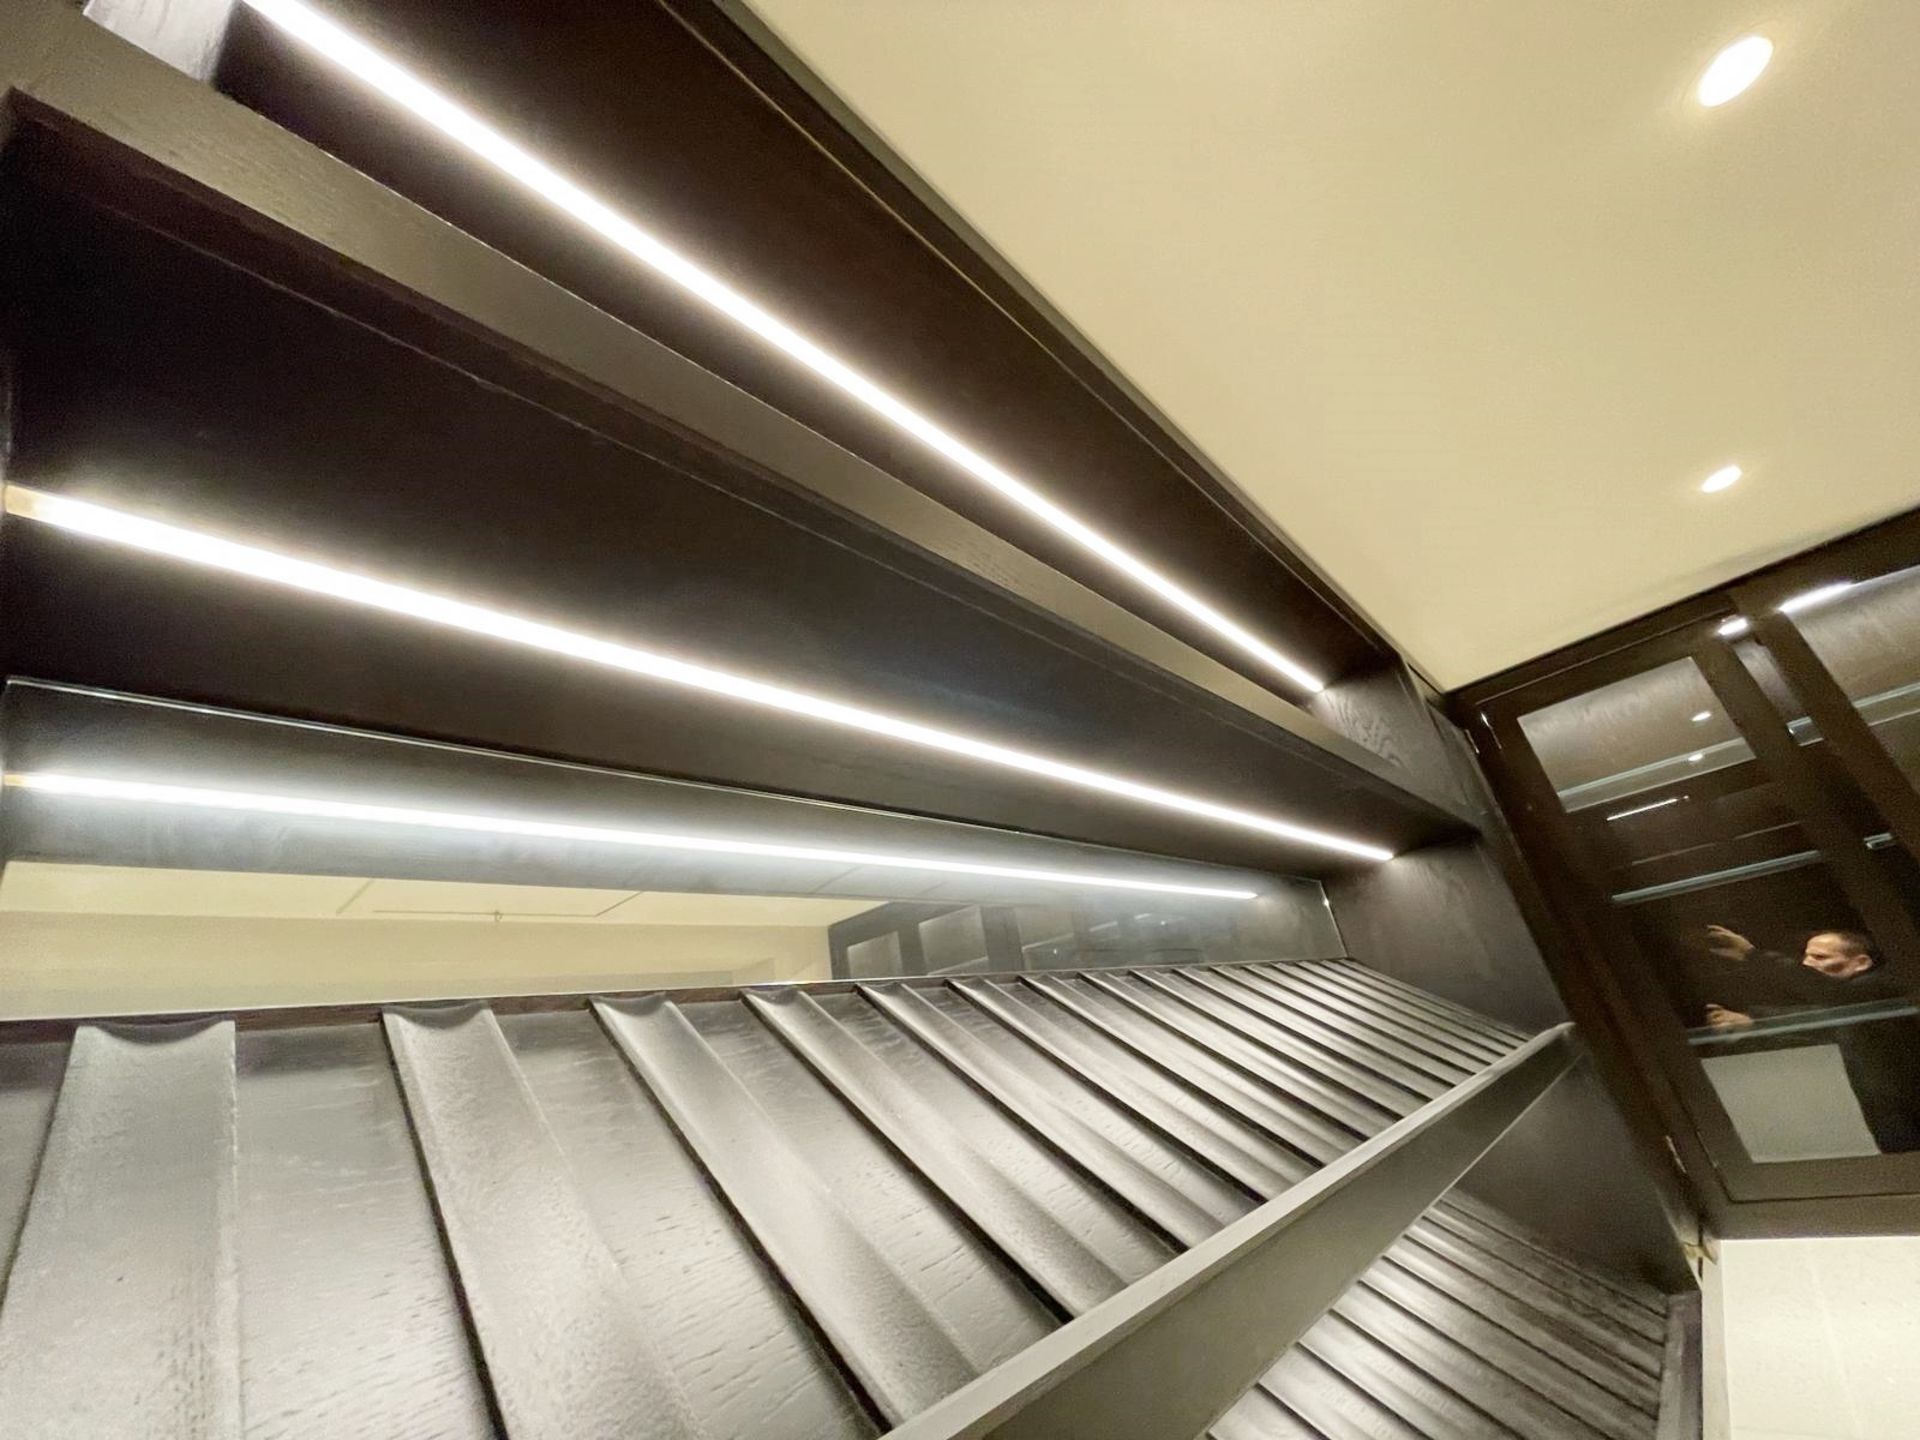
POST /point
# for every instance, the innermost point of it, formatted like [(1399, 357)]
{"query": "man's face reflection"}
[(1834, 958)]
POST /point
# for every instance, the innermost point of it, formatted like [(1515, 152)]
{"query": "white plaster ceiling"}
[(44, 888), (1469, 297)]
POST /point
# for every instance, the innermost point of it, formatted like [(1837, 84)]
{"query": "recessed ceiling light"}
[(1701, 717), (1734, 69), (144, 792), (197, 547), (368, 66), (1696, 757), (1725, 478)]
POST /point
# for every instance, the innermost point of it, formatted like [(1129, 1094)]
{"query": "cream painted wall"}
[(73, 964), (1814, 1339)]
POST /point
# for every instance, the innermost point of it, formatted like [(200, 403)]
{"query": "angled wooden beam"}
[(1169, 1355)]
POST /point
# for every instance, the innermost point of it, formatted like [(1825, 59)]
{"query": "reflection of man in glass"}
[(1835, 968)]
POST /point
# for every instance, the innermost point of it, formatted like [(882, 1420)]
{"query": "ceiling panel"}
[(45, 887), (128, 890), (1470, 301)]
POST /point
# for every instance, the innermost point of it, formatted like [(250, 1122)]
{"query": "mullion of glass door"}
[(1857, 748), (1766, 734)]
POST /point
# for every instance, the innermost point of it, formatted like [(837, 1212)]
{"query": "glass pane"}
[(1787, 1000), (1869, 638)]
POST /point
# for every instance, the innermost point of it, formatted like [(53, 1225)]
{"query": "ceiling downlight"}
[(1734, 70)]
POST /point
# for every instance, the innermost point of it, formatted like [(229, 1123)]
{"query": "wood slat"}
[(1292, 1079), (1158, 1201), (1314, 989), (1059, 1262), (568, 1354), (1302, 1128), (1289, 1042), (750, 1363), (898, 1349), (1213, 1137), (29, 1083), (122, 1310), (1354, 1037), (351, 1322)]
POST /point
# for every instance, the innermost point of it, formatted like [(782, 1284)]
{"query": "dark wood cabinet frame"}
[(87, 109), (1597, 960)]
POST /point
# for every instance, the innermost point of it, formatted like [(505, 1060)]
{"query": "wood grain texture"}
[(903, 1353), (1304, 1129), (350, 1318), (29, 1082), (1105, 1224), (1091, 1133), (745, 1354), (122, 1309), (1059, 1262), (350, 1299), (1198, 1127), (567, 1344)]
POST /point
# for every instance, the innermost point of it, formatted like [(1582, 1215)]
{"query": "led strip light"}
[(306, 807), (196, 547), (368, 66)]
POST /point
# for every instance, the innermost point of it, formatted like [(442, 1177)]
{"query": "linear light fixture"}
[(1793, 605), (143, 792), (196, 547), (367, 65), (1643, 809)]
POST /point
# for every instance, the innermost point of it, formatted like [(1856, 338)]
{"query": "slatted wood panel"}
[(780, 1215), (135, 1184)]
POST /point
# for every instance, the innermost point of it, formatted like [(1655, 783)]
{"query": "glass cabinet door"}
[(1867, 638), (1757, 904)]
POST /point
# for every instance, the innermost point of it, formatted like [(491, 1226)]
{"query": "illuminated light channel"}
[(1806, 600), (306, 807), (367, 65), (195, 547), (1643, 809)]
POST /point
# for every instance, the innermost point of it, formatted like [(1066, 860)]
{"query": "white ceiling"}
[(1469, 297), (44, 888)]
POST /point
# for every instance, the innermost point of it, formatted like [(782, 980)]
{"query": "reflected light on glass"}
[(1696, 757), (1701, 717), (196, 547), (368, 66), (1725, 478), (1806, 600), (312, 808), (1733, 71), (1643, 809)]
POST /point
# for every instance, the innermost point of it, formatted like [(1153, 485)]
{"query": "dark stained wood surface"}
[(360, 1315), (700, 155), (122, 1303), (142, 363), (567, 1342)]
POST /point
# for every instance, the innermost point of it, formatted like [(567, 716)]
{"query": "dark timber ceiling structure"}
[(797, 1212)]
